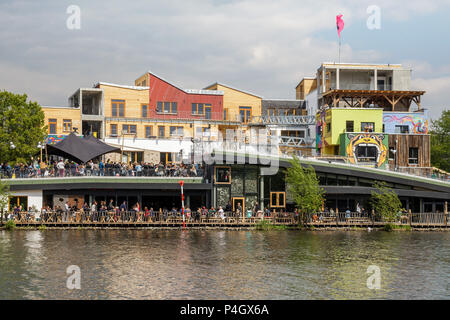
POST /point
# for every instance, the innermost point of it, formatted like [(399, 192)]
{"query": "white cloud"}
[(259, 45)]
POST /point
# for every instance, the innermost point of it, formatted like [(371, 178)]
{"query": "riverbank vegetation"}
[(440, 142), (303, 186), (385, 202)]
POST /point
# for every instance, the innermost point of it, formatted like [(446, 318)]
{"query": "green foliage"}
[(10, 225), (440, 142), (4, 195), (303, 184), (267, 225), (21, 123), (42, 227), (385, 202), (390, 227)]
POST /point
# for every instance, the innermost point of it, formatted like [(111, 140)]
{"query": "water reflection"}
[(219, 264)]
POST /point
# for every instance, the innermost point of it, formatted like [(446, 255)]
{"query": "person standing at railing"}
[(101, 168), (221, 213), (61, 168)]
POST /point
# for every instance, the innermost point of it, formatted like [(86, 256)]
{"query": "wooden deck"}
[(325, 220)]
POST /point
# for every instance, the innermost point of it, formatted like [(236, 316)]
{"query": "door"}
[(239, 200), (207, 111), (18, 201)]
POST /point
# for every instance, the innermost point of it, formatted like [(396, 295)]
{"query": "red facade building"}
[(168, 101)]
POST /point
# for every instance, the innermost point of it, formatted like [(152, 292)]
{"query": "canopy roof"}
[(80, 149)]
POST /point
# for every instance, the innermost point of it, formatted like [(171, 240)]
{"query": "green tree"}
[(440, 142), (4, 197), (303, 184), (385, 201), (21, 123)]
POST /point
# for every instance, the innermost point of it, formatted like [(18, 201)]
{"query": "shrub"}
[(10, 225)]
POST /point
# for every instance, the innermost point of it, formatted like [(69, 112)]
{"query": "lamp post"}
[(40, 146)]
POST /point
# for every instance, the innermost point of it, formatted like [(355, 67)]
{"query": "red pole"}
[(182, 203)]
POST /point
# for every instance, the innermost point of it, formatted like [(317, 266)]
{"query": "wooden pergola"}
[(363, 98)]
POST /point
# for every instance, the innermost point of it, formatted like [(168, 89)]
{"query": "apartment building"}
[(368, 114)]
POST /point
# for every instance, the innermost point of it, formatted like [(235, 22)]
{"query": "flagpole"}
[(339, 49)]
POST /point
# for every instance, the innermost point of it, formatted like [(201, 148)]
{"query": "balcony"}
[(283, 120)]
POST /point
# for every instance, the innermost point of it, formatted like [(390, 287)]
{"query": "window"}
[(159, 106), (329, 127), (225, 114), (113, 129), (67, 125), (349, 126), (277, 200), (128, 128), (207, 111), (148, 131), (413, 156), (245, 114), (222, 175), (299, 133), (176, 131), (202, 131), (145, 112), (118, 108), (367, 126), (401, 129), (52, 126), (161, 131), (166, 107), (197, 108), (366, 153), (391, 153)]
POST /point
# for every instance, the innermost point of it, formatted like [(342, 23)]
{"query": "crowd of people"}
[(99, 168), (109, 212)]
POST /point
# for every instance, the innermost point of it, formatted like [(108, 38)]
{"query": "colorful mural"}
[(320, 125), (418, 124), (374, 143)]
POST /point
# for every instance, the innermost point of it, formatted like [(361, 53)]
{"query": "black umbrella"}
[(80, 149)]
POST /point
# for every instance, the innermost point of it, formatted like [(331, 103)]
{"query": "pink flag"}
[(339, 24)]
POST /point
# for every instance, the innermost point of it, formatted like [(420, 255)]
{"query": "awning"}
[(80, 149)]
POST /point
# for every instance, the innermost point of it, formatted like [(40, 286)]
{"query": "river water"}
[(219, 264)]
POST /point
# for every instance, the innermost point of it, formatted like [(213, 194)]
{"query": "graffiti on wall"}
[(366, 148), (320, 125), (418, 124)]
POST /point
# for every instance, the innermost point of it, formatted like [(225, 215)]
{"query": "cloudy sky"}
[(258, 45)]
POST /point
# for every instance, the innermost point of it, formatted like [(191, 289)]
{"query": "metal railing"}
[(284, 120), (340, 219)]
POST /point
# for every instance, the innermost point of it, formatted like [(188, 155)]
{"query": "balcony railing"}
[(284, 120)]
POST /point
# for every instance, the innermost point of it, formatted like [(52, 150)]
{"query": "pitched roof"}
[(188, 91), (233, 88)]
